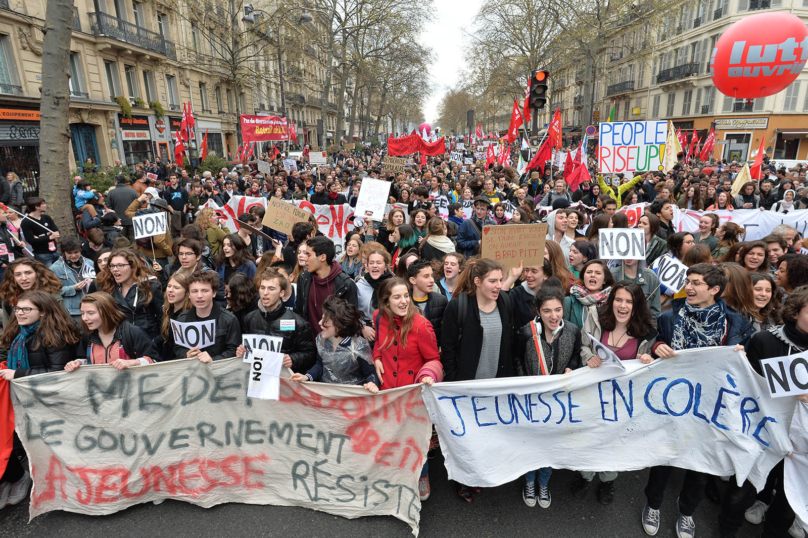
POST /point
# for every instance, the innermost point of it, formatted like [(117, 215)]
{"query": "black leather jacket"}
[(297, 343)]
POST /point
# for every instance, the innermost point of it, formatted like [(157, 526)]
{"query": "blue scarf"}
[(700, 327), (456, 220), (18, 353)]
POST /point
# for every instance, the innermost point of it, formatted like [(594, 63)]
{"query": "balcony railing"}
[(102, 24), (718, 13), (620, 87), (578, 101), (76, 21), (755, 5), (297, 98), (743, 107), (79, 95), (9, 89), (678, 72)]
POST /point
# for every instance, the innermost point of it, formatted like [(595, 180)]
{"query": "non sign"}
[(786, 376), (149, 225), (200, 334), (671, 273), (621, 244)]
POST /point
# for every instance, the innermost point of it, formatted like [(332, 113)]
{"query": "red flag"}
[(179, 149), (479, 133), (203, 147), (191, 122), (682, 138), (184, 123), (693, 140), (6, 423), (423, 159), (250, 154), (757, 165), (526, 107), (293, 132), (516, 122), (554, 130), (275, 152), (490, 157), (539, 160), (569, 166), (578, 176)]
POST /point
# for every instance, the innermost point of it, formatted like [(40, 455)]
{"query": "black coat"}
[(42, 359), (344, 288), (430, 253), (435, 308), (323, 198), (523, 309), (136, 343), (462, 355), (147, 316), (228, 334), (298, 344)]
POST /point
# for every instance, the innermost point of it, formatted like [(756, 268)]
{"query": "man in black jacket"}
[(431, 303), (323, 277), (274, 319), (202, 288), (118, 200)]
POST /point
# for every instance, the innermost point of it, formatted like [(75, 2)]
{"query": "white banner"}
[(796, 466), (704, 410), (318, 157), (100, 440), (332, 221), (373, 198), (235, 207)]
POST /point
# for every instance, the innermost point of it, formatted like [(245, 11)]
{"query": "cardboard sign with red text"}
[(514, 243), (100, 440)]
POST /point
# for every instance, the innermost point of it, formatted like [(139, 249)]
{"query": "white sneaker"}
[(19, 489), (5, 491), (756, 513), (796, 530)]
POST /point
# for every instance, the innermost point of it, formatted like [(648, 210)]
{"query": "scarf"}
[(18, 353), (441, 242), (527, 289), (456, 220), (374, 299), (785, 205), (333, 195), (589, 298), (790, 335), (699, 327)]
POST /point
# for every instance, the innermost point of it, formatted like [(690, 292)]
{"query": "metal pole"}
[(280, 76)]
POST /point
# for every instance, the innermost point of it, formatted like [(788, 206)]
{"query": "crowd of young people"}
[(410, 300)]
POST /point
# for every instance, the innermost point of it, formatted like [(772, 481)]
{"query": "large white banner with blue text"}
[(705, 410)]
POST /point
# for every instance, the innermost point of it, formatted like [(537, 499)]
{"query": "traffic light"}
[(538, 89)]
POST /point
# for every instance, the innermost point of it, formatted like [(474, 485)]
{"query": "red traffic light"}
[(541, 75)]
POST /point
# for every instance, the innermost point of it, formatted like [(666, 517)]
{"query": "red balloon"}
[(759, 55), (425, 126)]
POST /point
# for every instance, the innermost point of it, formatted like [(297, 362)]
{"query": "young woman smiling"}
[(768, 301), (176, 302), (753, 257), (139, 298), (234, 258), (24, 275), (596, 282), (367, 288), (451, 267)]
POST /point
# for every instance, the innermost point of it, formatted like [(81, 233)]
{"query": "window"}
[(626, 110), (671, 103), (148, 82), (195, 37), (8, 75), (162, 25), (219, 105), (792, 93), (137, 9), (697, 108), (171, 84), (742, 105), (243, 101), (76, 76), (120, 9), (230, 107), (686, 102), (203, 96), (113, 83), (616, 110), (131, 81), (709, 99)]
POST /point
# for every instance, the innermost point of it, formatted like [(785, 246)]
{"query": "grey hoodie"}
[(565, 243)]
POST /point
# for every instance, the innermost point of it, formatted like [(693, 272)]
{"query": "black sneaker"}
[(580, 487), (606, 492)]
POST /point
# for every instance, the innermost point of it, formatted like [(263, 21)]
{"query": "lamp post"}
[(249, 18)]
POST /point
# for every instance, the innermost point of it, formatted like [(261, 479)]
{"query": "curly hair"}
[(346, 317), (243, 292), (56, 327), (203, 219), (106, 282), (45, 281), (794, 305)]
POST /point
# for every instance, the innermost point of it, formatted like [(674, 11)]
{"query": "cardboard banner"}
[(149, 225), (631, 146), (333, 221), (200, 334), (621, 244), (100, 440), (786, 376), (263, 128), (235, 207), (394, 164), (264, 167), (407, 145), (514, 243), (704, 410), (372, 200), (796, 466), (281, 216)]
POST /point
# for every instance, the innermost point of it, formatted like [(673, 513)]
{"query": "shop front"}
[(19, 146), (135, 139), (215, 136), (738, 138), (162, 144)]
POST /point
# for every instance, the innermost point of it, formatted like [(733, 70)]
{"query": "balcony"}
[(743, 107), (76, 20), (297, 98), (756, 5), (696, 22), (332, 106), (620, 87), (9, 89), (718, 14), (79, 95), (102, 24), (678, 72)]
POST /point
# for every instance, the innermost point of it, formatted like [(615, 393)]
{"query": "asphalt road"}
[(494, 512)]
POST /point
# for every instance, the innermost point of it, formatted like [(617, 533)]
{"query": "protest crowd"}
[(409, 298)]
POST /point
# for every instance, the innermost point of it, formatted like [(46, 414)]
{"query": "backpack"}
[(80, 227)]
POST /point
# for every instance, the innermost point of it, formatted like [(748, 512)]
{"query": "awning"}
[(792, 133)]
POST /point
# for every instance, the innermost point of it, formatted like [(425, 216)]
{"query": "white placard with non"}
[(786, 376), (671, 272), (197, 334), (372, 200), (251, 342), (621, 244), (265, 375), (149, 225)]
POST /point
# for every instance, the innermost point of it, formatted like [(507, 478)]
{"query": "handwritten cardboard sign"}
[(282, 216), (149, 225), (264, 167), (395, 164), (372, 200), (199, 334), (318, 157), (514, 243)]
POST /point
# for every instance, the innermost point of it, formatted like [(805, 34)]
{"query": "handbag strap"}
[(539, 349)]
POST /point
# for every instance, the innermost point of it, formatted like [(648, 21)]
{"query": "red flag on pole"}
[(682, 138), (526, 107), (252, 148), (179, 149), (184, 123), (191, 122), (516, 122), (692, 147), (757, 165), (544, 154), (479, 133), (203, 147), (554, 130), (569, 166), (578, 176), (490, 157), (293, 132)]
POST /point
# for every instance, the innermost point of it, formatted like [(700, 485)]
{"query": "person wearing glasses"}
[(188, 253), (125, 278)]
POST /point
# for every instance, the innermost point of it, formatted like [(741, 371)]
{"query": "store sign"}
[(160, 125), (15, 114), (135, 135), (742, 123), (176, 124), (135, 123)]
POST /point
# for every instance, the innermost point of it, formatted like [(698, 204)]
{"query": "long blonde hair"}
[(203, 219), (181, 278)]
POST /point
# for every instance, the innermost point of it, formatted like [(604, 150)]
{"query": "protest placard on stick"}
[(373, 198), (510, 245), (149, 225), (621, 244)]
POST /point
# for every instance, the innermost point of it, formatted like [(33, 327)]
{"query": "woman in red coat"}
[(406, 350)]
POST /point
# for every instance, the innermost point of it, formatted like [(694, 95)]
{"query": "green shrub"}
[(126, 107), (213, 163)]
